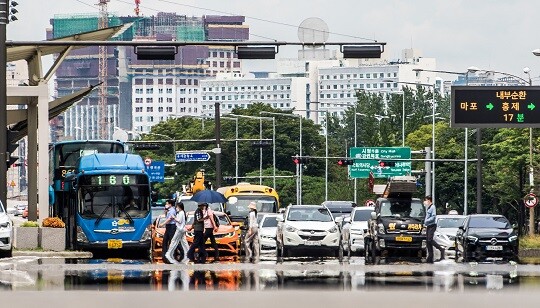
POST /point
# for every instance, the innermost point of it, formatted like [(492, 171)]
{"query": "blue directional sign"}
[(156, 171), (184, 156)]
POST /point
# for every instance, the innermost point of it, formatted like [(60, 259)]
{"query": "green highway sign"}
[(379, 161)]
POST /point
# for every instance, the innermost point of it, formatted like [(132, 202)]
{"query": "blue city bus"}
[(110, 197), (63, 157)]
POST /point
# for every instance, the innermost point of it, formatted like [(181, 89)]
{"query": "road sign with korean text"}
[(502, 106), (185, 156), (156, 171), (376, 160)]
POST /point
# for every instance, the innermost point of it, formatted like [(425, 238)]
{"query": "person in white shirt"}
[(252, 237), (179, 235)]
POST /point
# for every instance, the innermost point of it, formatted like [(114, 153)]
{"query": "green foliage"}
[(505, 151), (30, 224)]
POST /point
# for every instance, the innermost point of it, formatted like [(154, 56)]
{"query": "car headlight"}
[(424, 231), (289, 228), (147, 234), (5, 224), (381, 229), (189, 234), (513, 238), (440, 235), (472, 239), (160, 235), (230, 234), (334, 229), (81, 237)]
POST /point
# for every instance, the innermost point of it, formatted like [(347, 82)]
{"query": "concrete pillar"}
[(43, 150)]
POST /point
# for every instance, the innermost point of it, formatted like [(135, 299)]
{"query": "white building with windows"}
[(235, 91)]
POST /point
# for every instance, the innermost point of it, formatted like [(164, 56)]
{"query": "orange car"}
[(226, 237), (25, 212), (157, 238)]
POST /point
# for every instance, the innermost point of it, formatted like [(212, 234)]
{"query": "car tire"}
[(6, 254), (285, 252)]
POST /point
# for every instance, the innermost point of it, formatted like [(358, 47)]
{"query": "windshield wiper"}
[(127, 214), (102, 214)]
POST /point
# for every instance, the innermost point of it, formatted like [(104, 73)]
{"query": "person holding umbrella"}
[(198, 235)]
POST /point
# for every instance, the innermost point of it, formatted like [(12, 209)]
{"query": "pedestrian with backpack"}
[(210, 227)]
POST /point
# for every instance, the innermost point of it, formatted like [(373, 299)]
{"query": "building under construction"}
[(123, 71)]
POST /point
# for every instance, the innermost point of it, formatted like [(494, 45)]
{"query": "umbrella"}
[(209, 196)]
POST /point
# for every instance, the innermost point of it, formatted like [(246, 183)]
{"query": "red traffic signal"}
[(383, 163), (345, 162), (300, 160)]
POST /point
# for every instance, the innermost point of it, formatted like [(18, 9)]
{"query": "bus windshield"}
[(110, 196), (265, 204)]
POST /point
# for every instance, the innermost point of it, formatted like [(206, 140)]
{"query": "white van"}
[(6, 233)]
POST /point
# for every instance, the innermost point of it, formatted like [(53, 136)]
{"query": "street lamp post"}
[(236, 145), (432, 130), (326, 148), (356, 145), (299, 180), (260, 137)]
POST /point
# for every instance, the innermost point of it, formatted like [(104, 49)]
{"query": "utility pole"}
[(3, 101), (217, 130)]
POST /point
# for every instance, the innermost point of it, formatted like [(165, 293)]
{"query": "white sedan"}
[(307, 228), (445, 234), (354, 231), (6, 233)]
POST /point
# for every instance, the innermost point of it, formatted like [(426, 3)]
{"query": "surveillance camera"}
[(526, 70)]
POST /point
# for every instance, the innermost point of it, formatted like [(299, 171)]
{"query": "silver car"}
[(267, 232), (447, 227), (19, 209), (6, 233)]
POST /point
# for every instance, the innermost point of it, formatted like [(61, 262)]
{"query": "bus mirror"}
[(154, 196), (233, 200)]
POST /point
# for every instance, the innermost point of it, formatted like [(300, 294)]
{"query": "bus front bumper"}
[(105, 245)]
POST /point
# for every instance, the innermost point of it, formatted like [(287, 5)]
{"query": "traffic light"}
[(11, 146), (345, 162), (12, 11), (300, 160), (385, 163)]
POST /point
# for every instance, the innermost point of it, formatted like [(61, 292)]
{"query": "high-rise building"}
[(139, 94)]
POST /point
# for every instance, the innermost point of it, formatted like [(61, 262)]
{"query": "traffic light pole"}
[(3, 102)]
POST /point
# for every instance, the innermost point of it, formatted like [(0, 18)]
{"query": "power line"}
[(265, 20)]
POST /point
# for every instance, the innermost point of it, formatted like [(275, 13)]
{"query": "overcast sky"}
[(489, 34)]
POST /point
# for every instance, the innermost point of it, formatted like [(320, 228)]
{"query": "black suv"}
[(485, 237), (396, 230)]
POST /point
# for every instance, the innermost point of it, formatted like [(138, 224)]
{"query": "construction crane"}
[(102, 100)]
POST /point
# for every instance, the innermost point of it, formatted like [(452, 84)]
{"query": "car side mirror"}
[(347, 220), (373, 215), (462, 228)]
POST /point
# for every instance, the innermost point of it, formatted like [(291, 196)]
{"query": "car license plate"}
[(403, 238), (498, 248), (114, 244), (313, 243)]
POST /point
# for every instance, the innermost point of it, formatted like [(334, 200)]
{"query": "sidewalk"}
[(51, 254)]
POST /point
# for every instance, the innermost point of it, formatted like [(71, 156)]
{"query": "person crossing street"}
[(431, 224)]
